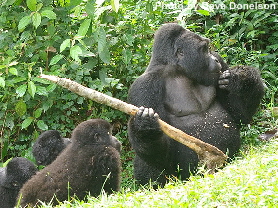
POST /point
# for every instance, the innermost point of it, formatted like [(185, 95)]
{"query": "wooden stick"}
[(207, 153)]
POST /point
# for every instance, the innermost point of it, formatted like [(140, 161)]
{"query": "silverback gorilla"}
[(193, 90), (89, 164)]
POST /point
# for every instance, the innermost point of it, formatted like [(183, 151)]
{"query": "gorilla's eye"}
[(180, 52)]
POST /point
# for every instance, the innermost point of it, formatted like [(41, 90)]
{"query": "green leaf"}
[(90, 10), (13, 71), (32, 5), (41, 91), (31, 88), (75, 51), (2, 82), (101, 38), (64, 45), (41, 80), (20, 91), (75, 2), (103, 51), (102, 76), (49, 14), (18, 2), (251, 34), (47, 104), (38, 112), (204, 12), (39, 6), (51, 29), (83, 29), (24, 22), (105, 55), (129, 39), (26, 122), (41, 125), (20, 108), (36, 18), (51, 88), (127, 55), (55, 59), (115, 5)]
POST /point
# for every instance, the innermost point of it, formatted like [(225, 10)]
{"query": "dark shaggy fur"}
[(48, 146), (194, 90), (12, 178), (87, 165)]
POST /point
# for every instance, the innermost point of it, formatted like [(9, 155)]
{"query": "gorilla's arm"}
[(146, 137), (240, 91)]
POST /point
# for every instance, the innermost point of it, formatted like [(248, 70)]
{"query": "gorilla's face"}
[(195, 60), (18, 171)]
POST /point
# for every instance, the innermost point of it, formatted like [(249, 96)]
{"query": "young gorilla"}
[(193, 90), (89, 164), (48, 146), (12, 178)]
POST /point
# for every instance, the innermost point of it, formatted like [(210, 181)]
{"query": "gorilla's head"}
[(174, 45), (48, 146), (95, 131), (18, 171)]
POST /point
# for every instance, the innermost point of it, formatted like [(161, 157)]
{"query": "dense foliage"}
[(105, 45)]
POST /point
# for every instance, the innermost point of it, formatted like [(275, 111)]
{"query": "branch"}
[(208, 154)]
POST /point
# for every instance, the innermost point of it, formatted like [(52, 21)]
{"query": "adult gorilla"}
[(195, 91)]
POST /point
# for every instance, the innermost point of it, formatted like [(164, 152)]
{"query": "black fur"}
[(194, 90), (12, 178), (88, 164), (48, 146)]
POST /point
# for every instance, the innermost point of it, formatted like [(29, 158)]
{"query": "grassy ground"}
[(250, 181)]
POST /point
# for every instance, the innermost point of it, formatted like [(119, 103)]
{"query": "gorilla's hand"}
[(224, 79), (146, 119)]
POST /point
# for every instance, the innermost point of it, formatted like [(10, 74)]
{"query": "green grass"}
[(250, 181)]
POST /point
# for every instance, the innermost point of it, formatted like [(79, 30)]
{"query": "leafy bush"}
[(106, 45)]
